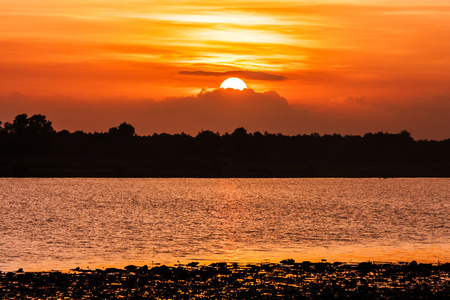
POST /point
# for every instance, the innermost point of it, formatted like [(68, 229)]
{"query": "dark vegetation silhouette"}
[(29, 146)]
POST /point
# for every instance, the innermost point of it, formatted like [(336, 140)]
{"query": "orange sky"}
[(342, 66)]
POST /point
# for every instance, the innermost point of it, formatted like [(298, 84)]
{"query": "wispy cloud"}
[(244, 74)]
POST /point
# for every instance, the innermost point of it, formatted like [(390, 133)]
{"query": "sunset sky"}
[(325, 66)]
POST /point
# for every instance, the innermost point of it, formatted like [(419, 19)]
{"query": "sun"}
[(233, 83)]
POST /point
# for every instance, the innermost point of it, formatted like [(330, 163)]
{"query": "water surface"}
[(63, 223)]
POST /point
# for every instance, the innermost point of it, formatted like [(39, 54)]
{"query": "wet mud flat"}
[(285, 280)]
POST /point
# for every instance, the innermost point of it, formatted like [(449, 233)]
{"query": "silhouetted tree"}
[(18, 126), (30, 135), (35, 125), (208, 143), (207, 134), (239, 132), (241, 144), (124, 130), (39, 125)]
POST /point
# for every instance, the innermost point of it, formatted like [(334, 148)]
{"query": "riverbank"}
[(284, 280), (89, 166)]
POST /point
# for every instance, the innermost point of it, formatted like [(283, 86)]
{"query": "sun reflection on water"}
[(65, 223)]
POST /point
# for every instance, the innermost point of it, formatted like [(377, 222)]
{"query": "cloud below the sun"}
[(224, 110), (253, 75), (220, 110)]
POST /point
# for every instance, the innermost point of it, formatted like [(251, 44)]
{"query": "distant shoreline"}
[(30, 147), (116, 166), (40, 169)]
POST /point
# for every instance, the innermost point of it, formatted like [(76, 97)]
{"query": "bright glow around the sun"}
[(233, 83)]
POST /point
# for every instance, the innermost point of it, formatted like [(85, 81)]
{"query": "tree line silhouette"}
[(29, 146)]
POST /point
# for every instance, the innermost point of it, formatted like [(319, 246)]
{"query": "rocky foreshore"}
[(284, 280)]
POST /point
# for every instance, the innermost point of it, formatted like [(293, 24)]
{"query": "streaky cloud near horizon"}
[(254, 75)]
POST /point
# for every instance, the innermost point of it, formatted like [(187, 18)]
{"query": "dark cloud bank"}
[(224, 110), (244, 74)]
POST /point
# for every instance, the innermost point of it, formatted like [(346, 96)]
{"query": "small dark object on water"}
[(192, 264)]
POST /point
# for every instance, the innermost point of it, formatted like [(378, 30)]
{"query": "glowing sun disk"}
[(233, 83)]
